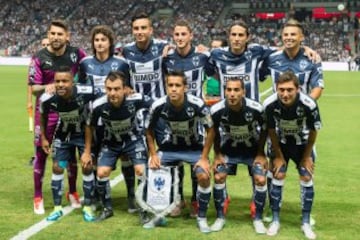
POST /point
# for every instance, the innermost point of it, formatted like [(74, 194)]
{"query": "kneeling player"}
[(293, 120), (239, 138), (72, 104), (183, 118), (115, 114)]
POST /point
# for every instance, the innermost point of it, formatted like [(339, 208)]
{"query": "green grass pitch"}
[(336, 207)]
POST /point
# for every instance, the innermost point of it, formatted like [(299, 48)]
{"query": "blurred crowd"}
[(23, 23)]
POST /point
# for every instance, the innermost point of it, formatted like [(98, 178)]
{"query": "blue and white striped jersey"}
[(95, 71), (193, 65), (146, 75), (310, 74), (182, 129), (244, 66)]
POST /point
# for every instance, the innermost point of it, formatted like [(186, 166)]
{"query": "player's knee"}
[(103, 172), (139, 169), (203, 179), (259, 174), (220, 177), (87, 170), (57, 169), (305, 175), (260, 180)]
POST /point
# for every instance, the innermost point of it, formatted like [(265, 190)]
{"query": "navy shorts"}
[(295, 153), (232, 162), (65, 151), (174, 158), (136, 151)]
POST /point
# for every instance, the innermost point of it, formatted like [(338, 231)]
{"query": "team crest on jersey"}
[(159, 183), (249, 116), (196, 61), (73, 57), (248, 55), (190, 111), (300, 111), (303, 64), (114, 66), (80, 101), (154, 51)]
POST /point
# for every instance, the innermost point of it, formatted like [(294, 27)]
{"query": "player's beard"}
[(57, 45)]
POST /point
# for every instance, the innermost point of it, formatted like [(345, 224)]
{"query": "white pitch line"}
[(27, 233), (341, 95), (265, 92)]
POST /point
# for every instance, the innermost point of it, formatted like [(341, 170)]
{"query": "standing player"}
[(186, 121), (144, 57), (122, 136), (71, 103), (240, 60), (192, 62), (240, 135), (293, 120), (41, 79), (29, 105), (292, 58), (95, 69)]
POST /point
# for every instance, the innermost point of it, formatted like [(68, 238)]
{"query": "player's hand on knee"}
[(308, 164), (86, 160), (278, 165), (204, 165)]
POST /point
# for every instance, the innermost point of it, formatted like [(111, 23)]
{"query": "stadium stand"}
[(23, 23)]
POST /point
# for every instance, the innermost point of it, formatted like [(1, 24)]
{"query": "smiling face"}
[(182, 37), (58, 38), (64, 84), (292, 36), (287, 92), (142, 31)]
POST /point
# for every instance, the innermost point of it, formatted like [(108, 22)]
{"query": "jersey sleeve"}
[(35, 75), (313, 121), (317, 78), (205, 116)]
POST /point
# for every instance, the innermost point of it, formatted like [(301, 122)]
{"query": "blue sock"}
[(307, 198), (219, 198), (259, 199), (276, 197), (203, 197), (104, 190), (88, 188), (57, 188)]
